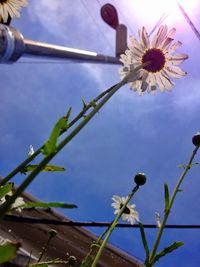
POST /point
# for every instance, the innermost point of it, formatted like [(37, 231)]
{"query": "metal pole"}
[(40, 49), (13, 46)]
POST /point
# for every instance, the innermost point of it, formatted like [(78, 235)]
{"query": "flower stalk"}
[(111, 228), (5, 207), (150, 262), (81, 115)]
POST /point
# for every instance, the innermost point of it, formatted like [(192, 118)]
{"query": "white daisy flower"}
[(158, 55), (16, 205), (129, 214), (11, 7)]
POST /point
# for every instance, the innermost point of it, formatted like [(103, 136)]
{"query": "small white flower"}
[(30, 151), (129, 214), (11, 7), (157, 217), (159, 58), (18, 202), (16, 205)]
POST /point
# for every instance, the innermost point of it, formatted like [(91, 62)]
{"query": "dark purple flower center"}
[(3, 1), (156, 60), (126, 210)]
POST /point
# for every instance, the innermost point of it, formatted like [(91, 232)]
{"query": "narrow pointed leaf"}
[(167, 250), (5, 189), (144, 240), (29, 205), (189, 165), (180, 190), (166, 197), (84, 104), (181, 166), (66, 119), (8, 252), (47, 168), (68, 114), (50, 145)]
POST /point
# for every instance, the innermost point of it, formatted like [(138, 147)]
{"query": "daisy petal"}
[(159, 37), (173, 47), (175, 71), (144, 38), (144, 84), (178, 59), (168, 84), (166, 43), (171, 33), (159, 82)]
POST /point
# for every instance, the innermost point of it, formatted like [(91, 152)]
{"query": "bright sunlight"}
[(152, 10)]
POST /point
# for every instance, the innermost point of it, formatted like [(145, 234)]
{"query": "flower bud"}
[(140, 178), (196, 139), (72, 260), (52, 233)]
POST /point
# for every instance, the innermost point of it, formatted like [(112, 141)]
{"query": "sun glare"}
[(152, 10)]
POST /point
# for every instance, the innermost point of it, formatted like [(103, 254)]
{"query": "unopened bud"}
[(196, 139), (72, 260), (52, 233), (140, 179)]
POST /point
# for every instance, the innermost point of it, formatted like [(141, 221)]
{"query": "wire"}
[(33, 220), (95, 22), (194, 29), (159, 22)]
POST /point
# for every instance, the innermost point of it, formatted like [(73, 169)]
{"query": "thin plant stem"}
[(44, 249), (167, 212), (111, 228), (21, 166), (88, 259), (5, 207), (51, 262)]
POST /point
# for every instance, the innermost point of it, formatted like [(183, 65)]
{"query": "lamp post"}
[(110, 16), (13, 45)]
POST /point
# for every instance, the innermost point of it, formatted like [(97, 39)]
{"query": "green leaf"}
[(50, 145), (180, 190), (144, 240), (66, 118), (29, 205), (5, 189), (84, 104), (8, 252), (47, 168), (189, 165), (167, 250), (181, 166), (166, 197)]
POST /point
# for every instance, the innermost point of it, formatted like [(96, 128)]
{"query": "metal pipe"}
[(13, 46)]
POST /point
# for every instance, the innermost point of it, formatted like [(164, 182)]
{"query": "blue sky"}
[(132, 133)]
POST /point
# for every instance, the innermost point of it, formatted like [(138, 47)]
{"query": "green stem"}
[(44, 249), (21, 167), (96, 244), (167, 212), (111, 228), (49, 263), (5, 207)]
